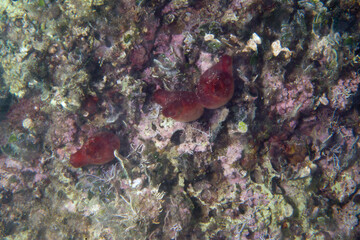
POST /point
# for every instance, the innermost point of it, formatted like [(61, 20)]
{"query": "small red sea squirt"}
[(97, 150), (181, 106), (216, 85)]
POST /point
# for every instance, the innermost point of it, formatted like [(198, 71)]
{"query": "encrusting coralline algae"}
[(276, 158)]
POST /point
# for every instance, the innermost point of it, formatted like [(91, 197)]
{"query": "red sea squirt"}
[(98, 150), (215, 89), (216, 85), (181, 106)]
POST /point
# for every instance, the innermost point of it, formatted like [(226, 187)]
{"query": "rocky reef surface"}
[(280, 160)]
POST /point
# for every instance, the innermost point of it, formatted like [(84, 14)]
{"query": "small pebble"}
[(27, 123)]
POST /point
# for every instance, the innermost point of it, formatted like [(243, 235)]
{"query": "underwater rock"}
[(278, 162), (340, 94), (98, 150)]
